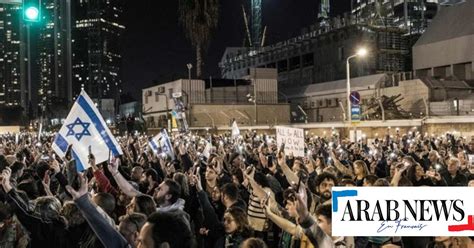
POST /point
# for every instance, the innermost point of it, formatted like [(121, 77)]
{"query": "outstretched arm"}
[(123, 184), (103, 230)]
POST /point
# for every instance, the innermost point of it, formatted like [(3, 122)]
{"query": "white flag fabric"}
[(207, 150), (40, 131), (84, 129), (161, 144), (235, 130)]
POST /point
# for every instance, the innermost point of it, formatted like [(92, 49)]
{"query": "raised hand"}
[(6, 174), (76, 194), (114, 165)]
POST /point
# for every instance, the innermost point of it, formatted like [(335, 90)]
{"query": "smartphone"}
[(68, 152), (282, 148), (90, 152), (299, 183)]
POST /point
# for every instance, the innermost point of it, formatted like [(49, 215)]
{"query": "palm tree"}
[(199, 18)]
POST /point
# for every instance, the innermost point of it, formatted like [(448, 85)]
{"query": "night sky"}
[(155, 48)]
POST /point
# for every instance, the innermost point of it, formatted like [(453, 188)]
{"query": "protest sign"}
[(293, 138)]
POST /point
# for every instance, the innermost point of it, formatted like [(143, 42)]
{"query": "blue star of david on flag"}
[(78, 135), (83, 120)]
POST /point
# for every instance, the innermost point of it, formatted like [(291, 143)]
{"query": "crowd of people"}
[(214, 190)]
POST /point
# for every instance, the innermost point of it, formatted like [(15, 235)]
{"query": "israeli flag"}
[(161, 144), (85, 129)]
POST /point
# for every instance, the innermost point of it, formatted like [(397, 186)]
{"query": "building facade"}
[(411, 15), (217, 102), (97, 35), (320, 55), (53, 90), (446, 49), (12, 88)]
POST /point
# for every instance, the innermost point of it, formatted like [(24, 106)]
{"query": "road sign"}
[(355, 113), (355, 98)]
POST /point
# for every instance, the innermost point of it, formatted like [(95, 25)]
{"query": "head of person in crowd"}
[(470, 180), (106, 201), (167, 193), (152, 177), (320, 163), (143, 204), (72, 214), (182, 180), (298, 165), (453, 165), (433, 156), (324, 217), (170, 168), (235, 160), (136, 174), (30, 188), (452, 242), (331, 170), (408, 161), (360, 169), (216, 194), (253, 243), (381, 182), (229, 194), (130, 226), (6, 214), (211, 173), (324, 183), (347, 182), (236, 222), (369, 180), (123, 199), (261, 179), (165, 230), (289, 200), (17, 169), (237, 176), (49, 208)]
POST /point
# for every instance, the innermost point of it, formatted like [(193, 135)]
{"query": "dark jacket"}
[(211, 221), (104, 231), (43, 233), (458, 180)]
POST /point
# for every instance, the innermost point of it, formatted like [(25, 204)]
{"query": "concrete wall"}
[(443, 54), (222, 115), (459, 126)]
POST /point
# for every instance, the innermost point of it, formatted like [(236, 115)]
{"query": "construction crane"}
[(254, 30), (256, 8)]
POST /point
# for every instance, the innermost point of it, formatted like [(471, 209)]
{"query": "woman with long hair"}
[(236, 227)]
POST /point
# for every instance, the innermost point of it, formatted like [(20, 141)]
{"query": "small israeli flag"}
[(85, 129), (161, 144)]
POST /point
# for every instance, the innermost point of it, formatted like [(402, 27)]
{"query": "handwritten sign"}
[(293, 138)]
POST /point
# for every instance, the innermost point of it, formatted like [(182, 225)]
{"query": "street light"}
[(253, 99), (362, 52)]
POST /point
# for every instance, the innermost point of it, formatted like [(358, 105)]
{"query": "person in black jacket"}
[(47, 230)]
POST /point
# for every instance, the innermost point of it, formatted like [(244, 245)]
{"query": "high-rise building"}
[(52, 57), (10, 59), (97, 32)]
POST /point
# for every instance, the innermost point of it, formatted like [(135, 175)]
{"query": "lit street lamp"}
[(362, 52)]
